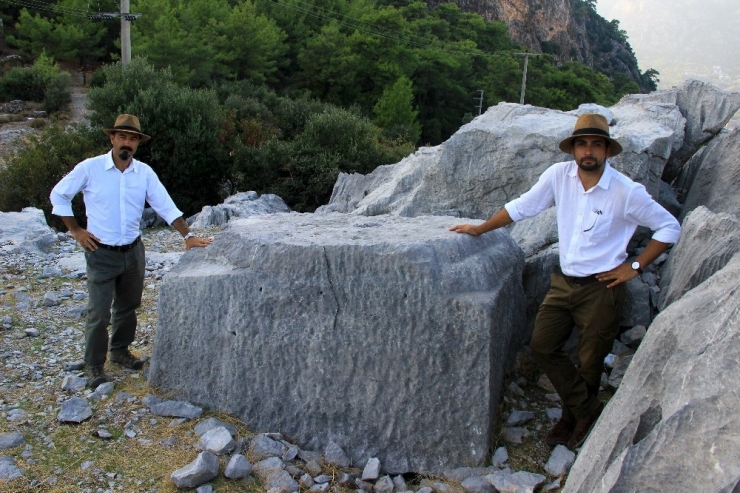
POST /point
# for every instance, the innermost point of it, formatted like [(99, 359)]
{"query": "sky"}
[(682, 38)]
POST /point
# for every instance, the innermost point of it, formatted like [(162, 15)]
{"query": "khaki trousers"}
[(595, 311), (114, 280)]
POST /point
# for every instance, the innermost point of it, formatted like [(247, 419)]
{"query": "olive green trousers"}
[(595, 311)]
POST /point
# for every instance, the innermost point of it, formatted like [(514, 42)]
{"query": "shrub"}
[(57, 96), (185, 124), (30, 83), (29, 176), (303, 171)]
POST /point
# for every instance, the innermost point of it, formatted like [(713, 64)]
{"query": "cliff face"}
[(570, 30), (530, 22)]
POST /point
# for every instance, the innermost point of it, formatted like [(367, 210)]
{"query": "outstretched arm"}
[(498, 220)]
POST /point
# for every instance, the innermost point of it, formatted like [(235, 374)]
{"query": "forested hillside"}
[(281, 95), (342, 52)]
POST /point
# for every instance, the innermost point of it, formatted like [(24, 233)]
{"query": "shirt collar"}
[(134, 167), (605, 179)]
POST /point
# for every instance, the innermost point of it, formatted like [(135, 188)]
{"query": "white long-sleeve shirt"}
[(114, 200), (594, 226)]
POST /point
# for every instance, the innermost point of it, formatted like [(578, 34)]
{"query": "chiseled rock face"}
[(708, 242), (387, 336), (502, 153), (673, 424)]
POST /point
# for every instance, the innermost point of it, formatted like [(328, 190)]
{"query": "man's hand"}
[(470, 229), (88, 241), (618, 275), (197, 242)]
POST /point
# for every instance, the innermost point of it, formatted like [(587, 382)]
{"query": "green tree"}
[(395, 113), (251, 46), (65, 35)]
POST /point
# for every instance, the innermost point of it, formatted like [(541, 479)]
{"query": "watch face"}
[(636, 265)]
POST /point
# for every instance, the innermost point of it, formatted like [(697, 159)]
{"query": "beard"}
[(125, 153), (593, 165)]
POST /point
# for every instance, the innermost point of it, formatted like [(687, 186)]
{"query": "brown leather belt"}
[(578, 281), (121, 248)]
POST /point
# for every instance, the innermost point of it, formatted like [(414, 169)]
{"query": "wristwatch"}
[(636, 266), (191, 234)]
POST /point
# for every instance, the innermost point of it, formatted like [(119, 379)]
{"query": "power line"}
[(36, 5)]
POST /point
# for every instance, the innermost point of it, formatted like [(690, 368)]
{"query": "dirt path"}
[(12, 133)]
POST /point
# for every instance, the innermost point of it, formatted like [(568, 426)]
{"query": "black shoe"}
[(126, 359), (95, 376)]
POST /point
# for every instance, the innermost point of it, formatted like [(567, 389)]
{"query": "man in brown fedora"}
[(598, 210), (115, 187)]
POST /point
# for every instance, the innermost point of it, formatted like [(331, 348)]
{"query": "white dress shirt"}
[(594, 226), (114, 200)]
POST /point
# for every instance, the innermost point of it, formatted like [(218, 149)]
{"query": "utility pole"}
[(524, 75), (126, 20), (480, 100), (126, 34)]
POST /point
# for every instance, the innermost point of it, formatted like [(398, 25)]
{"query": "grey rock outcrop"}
[(500, 154), (369, 317), (708, 242), (716, 176), (25, 231), (707, 110), (242, 204), (675, 392)]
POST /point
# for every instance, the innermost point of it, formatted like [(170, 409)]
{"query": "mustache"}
[(127, 148)]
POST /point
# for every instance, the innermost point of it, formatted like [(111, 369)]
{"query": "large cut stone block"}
[(389, 336)]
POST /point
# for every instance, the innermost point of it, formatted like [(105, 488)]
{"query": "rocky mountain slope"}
[(571, 30)]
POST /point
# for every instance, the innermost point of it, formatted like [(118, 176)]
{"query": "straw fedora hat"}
[(127, 123), (592, 125)]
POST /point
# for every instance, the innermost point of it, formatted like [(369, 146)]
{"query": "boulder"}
[(500, 154), (25, 231), (674, 421), (707, 110), (242, 204), (715, 181), (708, 242), (386, 336)]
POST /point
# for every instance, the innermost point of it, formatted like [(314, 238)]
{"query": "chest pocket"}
[(597, 226)]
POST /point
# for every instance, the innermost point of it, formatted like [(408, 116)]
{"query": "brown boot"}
[(583, 426), (126, 359), (560, 433), (95, 376)]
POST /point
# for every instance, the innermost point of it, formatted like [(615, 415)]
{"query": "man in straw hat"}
[(115, 187), (598, 210)]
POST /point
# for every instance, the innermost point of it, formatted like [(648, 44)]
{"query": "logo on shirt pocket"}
[(596, 225)]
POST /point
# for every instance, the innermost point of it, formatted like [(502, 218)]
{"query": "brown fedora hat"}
[(127, 123), (592, 125)]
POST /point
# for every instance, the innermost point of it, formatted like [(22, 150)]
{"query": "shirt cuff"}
[(62, 210), (513, 212)]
